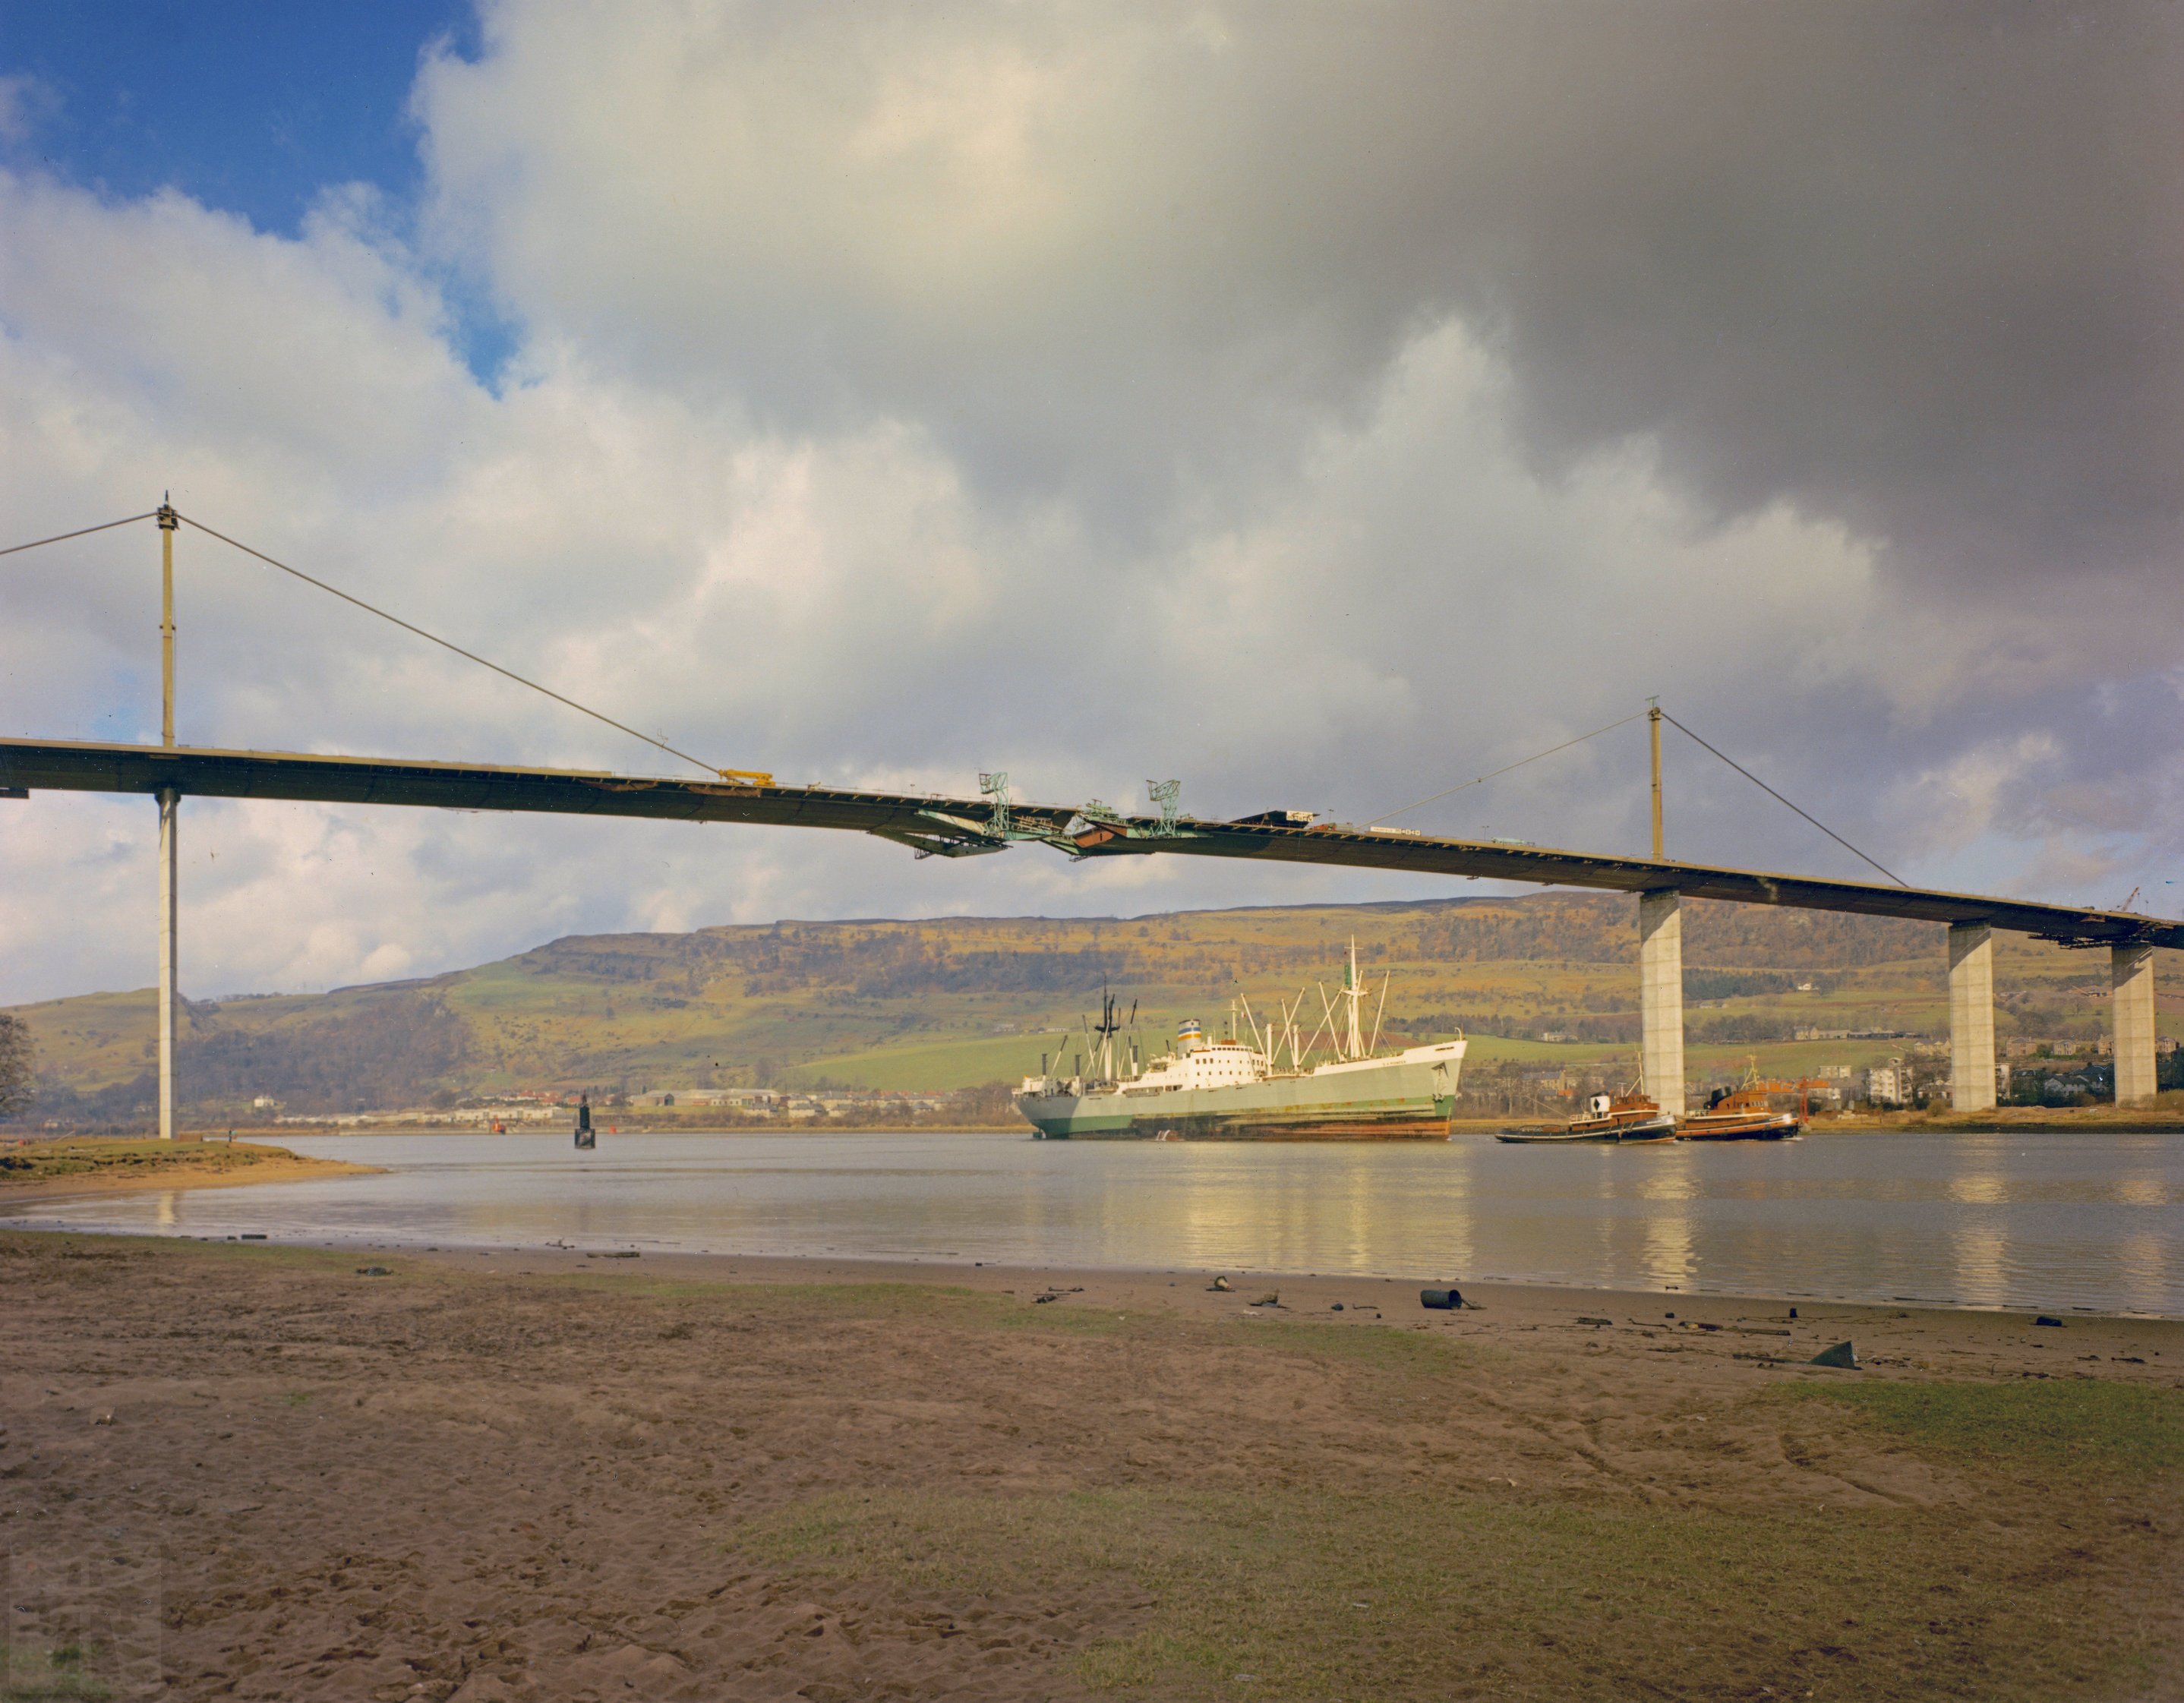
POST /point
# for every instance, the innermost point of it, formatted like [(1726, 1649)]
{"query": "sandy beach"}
[(274, 1472)]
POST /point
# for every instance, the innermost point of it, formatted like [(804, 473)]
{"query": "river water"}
[(2022, 1220)]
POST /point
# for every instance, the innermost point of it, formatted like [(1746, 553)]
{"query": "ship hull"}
[(1407, 1098), (1758, 1126)]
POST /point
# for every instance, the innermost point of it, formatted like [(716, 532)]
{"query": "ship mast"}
[(1355, 994)]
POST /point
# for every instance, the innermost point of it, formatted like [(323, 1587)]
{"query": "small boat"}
[(1744, 1113), (1629, 1117)]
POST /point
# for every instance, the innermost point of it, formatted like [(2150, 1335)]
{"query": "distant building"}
[(1887, 1084)]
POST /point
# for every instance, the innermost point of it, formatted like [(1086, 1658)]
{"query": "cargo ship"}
[(1233, 1089)]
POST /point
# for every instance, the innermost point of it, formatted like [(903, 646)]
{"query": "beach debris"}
[(617, 1254), (1583, 1320), (2047, 1319), (254, 1235), (1841, 1354), (105, 1418), (1793, 1312), (1272, 1298), (375, 1272), (1336, 1308), (1443, 1300), (1219, 1285), (1668, 1316)]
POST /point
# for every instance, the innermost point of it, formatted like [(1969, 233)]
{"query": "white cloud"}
[(901, 395)]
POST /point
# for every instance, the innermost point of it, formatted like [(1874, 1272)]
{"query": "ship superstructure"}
[(1336, 1085)]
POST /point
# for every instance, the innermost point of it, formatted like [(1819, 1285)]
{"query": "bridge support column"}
[(2131, 983), (1971, 1016), (1661, 996), (170, 814)]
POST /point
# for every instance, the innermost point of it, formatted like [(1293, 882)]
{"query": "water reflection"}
[(1982, 1264), (2022, 1220)]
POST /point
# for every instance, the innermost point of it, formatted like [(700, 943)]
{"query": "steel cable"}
[(472, 656), (80, 532), (1452, 790), (1779, 800)]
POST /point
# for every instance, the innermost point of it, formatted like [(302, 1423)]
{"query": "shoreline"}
[(2035, 1121), (1302, 1293), (1396, 1293)]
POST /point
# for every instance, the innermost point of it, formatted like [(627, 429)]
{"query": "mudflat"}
[(277, 1473), (99, 1165)]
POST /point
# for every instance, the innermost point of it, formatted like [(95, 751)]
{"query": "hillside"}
[(959, 1001)]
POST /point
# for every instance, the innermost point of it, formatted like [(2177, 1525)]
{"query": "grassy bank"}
[(120, 1162), (2166, 1116)]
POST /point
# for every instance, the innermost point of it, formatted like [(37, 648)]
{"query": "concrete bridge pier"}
[(1971, 1016), (2131, 986), (1661, 996)]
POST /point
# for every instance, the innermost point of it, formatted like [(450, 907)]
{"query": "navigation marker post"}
[(169, 810)]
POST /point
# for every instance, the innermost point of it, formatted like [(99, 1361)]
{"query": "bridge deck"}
[(953, 825)]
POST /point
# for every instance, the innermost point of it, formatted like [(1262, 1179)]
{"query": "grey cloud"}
[(1320, 405), (1912, 266)]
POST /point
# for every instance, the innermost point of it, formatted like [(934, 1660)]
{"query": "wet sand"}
[(234, 1472)]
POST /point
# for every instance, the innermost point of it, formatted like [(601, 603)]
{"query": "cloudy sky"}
[(1321, 405)]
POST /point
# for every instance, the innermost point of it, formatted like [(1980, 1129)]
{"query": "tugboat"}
[(1630, 1116), (1744, 1113)]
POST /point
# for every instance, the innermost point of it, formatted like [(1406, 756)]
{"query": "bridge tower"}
[(169, 815), (1661, 968)]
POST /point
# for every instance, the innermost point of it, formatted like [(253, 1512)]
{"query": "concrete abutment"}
[(1661, 996), (2130, 985), (1971, 1016)]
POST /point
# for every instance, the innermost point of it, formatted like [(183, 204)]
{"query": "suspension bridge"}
[(935, 825)]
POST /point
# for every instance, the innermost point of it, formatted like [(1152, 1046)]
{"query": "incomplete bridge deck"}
[(958, 826)]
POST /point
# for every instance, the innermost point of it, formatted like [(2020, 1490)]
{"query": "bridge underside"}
[(954, 827), (932, 825)]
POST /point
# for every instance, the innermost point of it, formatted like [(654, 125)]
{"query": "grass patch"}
[(2084, 1424), (1432, 1594), (54, 1675), (98, 1156)]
